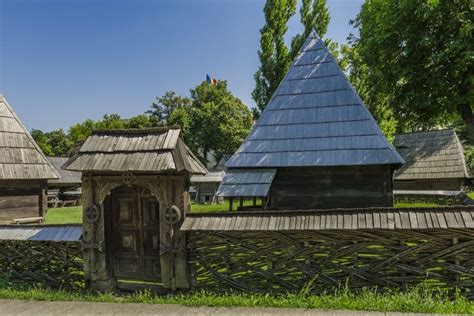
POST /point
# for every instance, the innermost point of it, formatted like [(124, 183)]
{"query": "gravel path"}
[(15, 307)]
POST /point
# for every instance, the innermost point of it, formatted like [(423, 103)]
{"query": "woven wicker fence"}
[(42, 263), (289, 261)]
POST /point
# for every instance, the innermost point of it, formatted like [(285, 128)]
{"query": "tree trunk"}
[(465, 110)]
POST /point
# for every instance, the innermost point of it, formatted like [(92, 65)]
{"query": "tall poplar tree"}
[(274, 55), (314, 16)]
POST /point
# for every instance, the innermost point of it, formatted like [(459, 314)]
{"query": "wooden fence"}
[(42, 263), (281, 252), (42, 255)]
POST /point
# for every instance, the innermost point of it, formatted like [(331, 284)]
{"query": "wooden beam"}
[(43, 199)]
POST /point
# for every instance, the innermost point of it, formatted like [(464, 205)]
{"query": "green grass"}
[(471, 195), (417, 300), (73, 215), (64, 215), (419, 204)]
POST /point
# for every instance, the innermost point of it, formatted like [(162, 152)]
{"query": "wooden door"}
[(136, 234)]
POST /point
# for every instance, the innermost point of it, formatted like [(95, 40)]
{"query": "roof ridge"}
[(135, 131), (432, 131)]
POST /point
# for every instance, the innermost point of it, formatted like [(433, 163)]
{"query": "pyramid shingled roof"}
[(20, 156), (315, 118)]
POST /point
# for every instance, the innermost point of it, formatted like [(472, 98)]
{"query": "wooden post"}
[(254, 201), (43, 199), (241, 202), (231, 204)]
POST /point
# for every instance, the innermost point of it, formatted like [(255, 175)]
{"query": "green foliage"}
[(377, 102), (416, 59), (54, 143), (314, 16), (469, 154), (274, 56), (212, 119), (219, 121), (164, 106)]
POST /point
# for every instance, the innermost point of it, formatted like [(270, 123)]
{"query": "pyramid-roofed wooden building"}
[(24, 169), (316, 143), (434, 160)]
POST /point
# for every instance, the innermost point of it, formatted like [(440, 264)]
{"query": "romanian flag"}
[(211, 81)]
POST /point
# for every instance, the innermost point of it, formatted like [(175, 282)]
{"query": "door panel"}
[(136, 235)]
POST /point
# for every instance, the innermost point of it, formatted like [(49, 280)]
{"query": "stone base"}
[(109, 285)]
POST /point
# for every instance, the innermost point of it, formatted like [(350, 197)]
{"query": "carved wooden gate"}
[(136, 234)]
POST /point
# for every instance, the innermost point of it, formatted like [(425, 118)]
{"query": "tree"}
[(377, 103), (142, 121), (54, 143), (418, 59), (314, 15), (78, 133), (167, 104), (212, 120), (274, 56), (42, 140), (219, 122)]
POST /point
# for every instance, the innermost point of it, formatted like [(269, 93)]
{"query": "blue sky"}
[(62, 61)]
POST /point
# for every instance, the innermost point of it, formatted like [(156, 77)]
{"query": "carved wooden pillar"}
[(96, 270), (174, 265)]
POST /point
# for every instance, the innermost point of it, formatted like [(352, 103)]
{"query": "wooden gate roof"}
[(452, 217), (315, 118), (431, 155), (136, 150), (20, 156)]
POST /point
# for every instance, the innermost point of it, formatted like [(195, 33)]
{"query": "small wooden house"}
[(206, 186), (67, 189), (316, 145), (434, 160), (24, 170), (135, 194)]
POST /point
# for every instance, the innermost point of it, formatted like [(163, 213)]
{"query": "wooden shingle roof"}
[(20, 156), (431, 155), (136, 150), (315, 118), (246, 183), (68, 177), (453, 217)]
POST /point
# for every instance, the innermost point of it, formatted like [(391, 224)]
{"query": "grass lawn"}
[(417, 300), (64, 215), (73, 215)]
